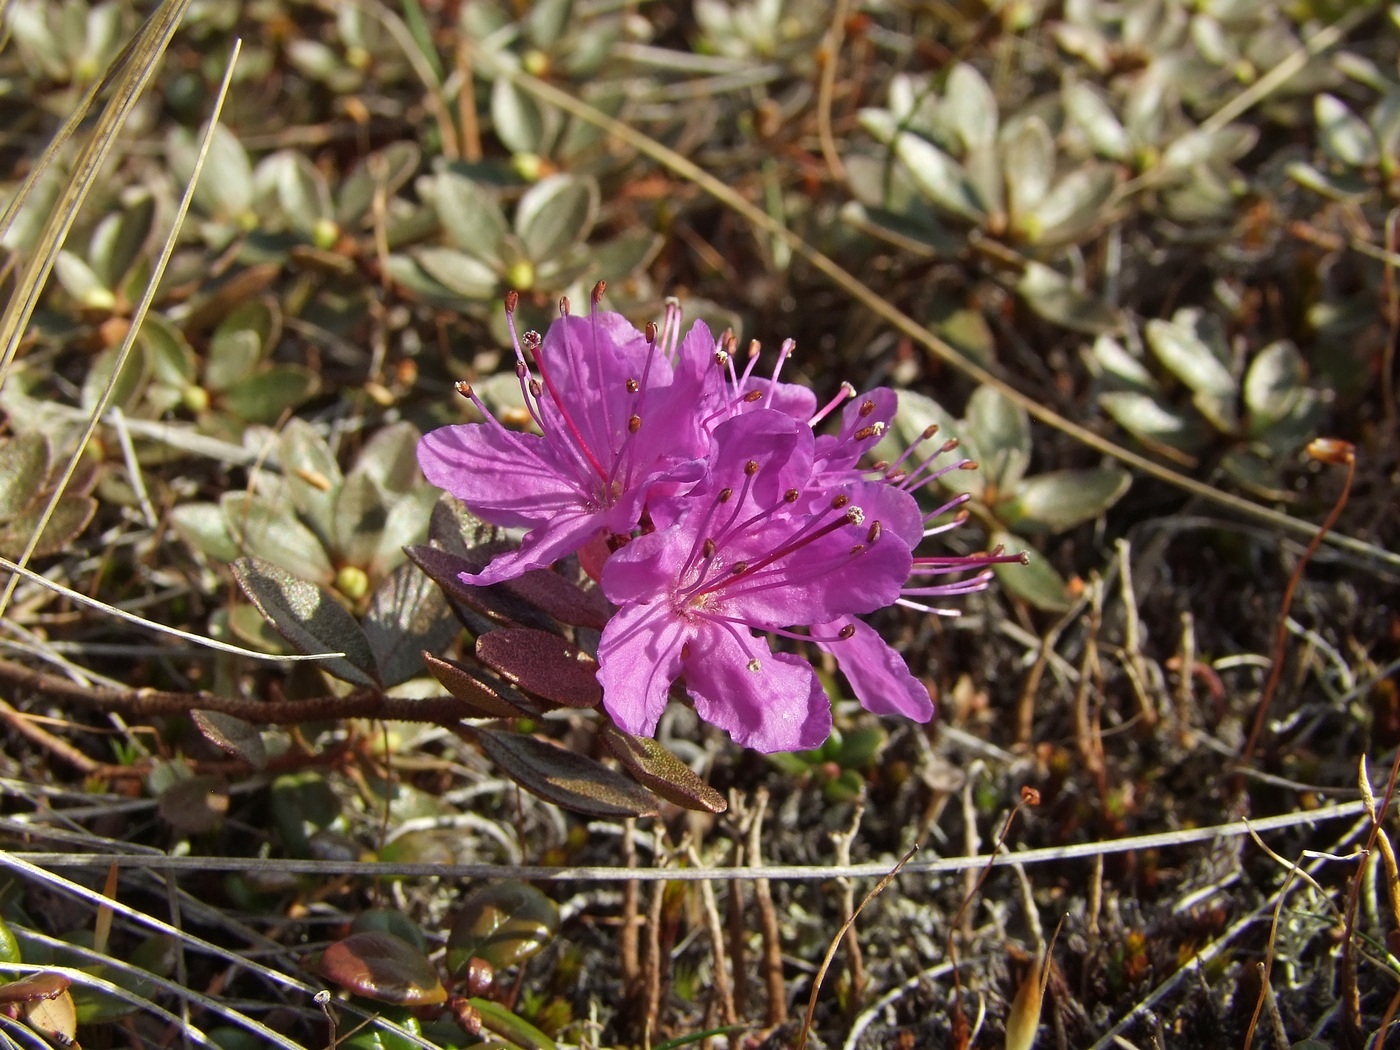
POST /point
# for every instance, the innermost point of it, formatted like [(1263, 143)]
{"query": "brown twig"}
[(1326, 450), (156, 703), (767, 918), (1029, 797)]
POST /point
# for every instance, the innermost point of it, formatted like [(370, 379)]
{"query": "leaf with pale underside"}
[(407, 614), (233, 736)]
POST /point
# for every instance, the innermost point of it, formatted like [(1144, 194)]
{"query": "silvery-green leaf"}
[(1028, 153), (546, 21), (1062, 499), (625, 254), (1055, 298), (312, 473), (918, 238), (1345, 187), (1152, 423), (917, 412), (225, 189), (590, 49), (1036, 582), (1273, 385), (129, 385), (1254, 472), (172, 360), (1385, 120), (1194, 352), (1344, 135), (272, 532), (361, 510), (520, 121), (1117, 362), (997, 432), (308, 617), (1086, 108), (70, 517), (1213, 42), (24, 468), (970, 107), (555, 213), (473, 220), (1200, 146), (302, 191), (389, 168), (1073, 207), (81, 282), (936, 175), (391, 457), (458, 272), (203, 527), (119, 238), (406, 525), (985, 173), (411, 277), (233, 354), (1085, 43), (264, 397), (967, 331)]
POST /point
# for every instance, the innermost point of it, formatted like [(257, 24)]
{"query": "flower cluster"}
[(716, 519)]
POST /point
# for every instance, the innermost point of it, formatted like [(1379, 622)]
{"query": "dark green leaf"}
[(504, 923), (565, 778), (471, 217), (308, 617), (380, 966), (497, 1019), (119, 238)]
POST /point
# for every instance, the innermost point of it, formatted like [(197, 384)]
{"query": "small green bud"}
[(325, 233), (195, 398), (535, 62), (521, 275), (352, 582), (529, 166)]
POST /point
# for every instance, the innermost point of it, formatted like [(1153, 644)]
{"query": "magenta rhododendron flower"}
[(759, 544), (717, 520), (621, 415)]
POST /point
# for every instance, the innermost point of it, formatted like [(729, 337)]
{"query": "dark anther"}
[(866, 408), (634, 424), (512, 301), (751, 467), (633, 386), (598, 290), (849, 631)]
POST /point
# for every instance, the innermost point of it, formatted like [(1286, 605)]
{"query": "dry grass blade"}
[(137, 319), (129, 74), (19, 571), (870, 299), (618, 873)]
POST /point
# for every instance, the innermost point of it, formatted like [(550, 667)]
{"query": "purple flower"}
[(762, 543), (621, 418)]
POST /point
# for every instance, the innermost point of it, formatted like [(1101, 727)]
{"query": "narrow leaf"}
[(565, 778), (662, 772)]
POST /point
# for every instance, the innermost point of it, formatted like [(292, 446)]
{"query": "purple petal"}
[(639, 656), (767, 701), (878, 675), (867, 414), (504, 477)]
